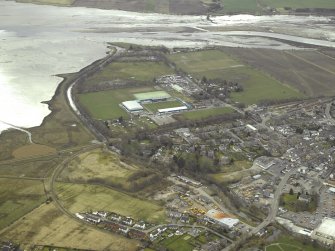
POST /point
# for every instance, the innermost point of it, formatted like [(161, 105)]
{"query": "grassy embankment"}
[(257, 85)]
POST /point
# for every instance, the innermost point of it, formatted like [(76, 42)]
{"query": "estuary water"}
[(37, 42)]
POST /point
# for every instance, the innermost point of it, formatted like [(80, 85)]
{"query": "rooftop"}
[(223, 218), (173, 109), (327, 227), (132, 105)]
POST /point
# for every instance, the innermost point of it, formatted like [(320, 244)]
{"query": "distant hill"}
[(198, 7)]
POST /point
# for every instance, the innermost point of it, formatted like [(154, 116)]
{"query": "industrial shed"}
[(325, 232), (132, 106)]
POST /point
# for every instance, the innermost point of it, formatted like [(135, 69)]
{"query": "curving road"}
[(271, 216)]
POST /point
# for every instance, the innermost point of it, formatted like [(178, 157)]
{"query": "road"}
[(272, 212), (188, 225), (82, 75)]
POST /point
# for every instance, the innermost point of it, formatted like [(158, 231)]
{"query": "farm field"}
[(160, 6), (241, 6), (38, 167), (132, 71), (15, 203), (204, 113), (256, 6), (154, 107), (288, 243), (327, 4), (105, 104), (189, 6), (81, 198), (257, 85), (310, 72), (62, 231), (33, 150), (201, 62)]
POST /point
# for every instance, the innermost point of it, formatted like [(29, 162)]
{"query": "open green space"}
[(106, 168), (201, 62), (289, 243), (136, 71), (292, 203), (17, 198), (257, 86), (154, 107), (183, 242), (215, 64), (152, 95), (81, 198), (257, 6), (106, 104), (204, 113), (327, 4), (241, 6)]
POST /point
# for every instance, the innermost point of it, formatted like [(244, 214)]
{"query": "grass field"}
[(18, 197), (79, 198), (201, 62), (241, 6), (105, 104), (257, 85), (289, 243), (179, 243), (100, 166), (231, 177), (327, 4), (154, 107), (38, 167), (33, 150), (138, 71), (204, 113), (256, 6), (46, 225), (310, 72)]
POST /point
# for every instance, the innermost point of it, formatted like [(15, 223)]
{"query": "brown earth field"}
[(160, 6), (312, 72), (46, 225), (33, 150)]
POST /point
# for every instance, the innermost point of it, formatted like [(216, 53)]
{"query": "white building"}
[(325, 232), (173, 109), (132, 106), (222, 219)]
